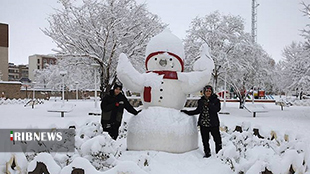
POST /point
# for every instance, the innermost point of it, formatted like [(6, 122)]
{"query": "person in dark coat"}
[(208, 107), (112, 106)]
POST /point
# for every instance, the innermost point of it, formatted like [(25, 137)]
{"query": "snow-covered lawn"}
[(285, 144)]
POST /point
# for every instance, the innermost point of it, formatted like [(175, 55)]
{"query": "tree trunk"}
[(241, 103)]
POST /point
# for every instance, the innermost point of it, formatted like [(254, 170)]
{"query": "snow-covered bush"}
[(101, 151), (86, 132), (123, 131), (17, 162), (64, 159), (248, 152), (47, 160)]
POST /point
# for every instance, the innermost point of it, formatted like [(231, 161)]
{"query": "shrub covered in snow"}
[(101, 151), (251, 153)]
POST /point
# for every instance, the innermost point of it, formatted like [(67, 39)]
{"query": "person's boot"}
[(218, 148), (207, 155)]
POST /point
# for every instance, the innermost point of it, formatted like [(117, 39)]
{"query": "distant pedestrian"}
[(208, 108), (112, 106)]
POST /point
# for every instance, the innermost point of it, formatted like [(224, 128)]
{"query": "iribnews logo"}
[(35, 136), (37, 140)]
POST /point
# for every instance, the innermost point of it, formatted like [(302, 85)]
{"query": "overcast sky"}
[(279, 21)]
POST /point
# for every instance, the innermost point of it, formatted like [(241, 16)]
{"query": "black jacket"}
[(214, 106), (112, 113)]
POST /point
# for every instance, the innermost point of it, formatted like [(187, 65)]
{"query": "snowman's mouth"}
[(163, 62)]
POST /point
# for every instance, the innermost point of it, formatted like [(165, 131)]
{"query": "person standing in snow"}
[(112, 106), (208, 108)]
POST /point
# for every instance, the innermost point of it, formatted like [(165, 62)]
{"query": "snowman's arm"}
[(128, 75), (192, 82)]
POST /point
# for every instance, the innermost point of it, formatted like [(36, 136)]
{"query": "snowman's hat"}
[(165, 42)]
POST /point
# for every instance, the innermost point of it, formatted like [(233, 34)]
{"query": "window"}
[(38, 61), (38, 67)]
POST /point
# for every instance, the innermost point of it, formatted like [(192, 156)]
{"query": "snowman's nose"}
[(163, 62)]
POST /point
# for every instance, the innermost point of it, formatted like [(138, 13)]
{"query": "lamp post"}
[(225, 67), (63, 73), (95, 75), (225, 79), (33, 94), (77, 90), (223, 110), (96, 110)]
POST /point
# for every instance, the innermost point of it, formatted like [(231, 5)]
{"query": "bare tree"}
[(233, 51), (294, 71), (306, 31), (100, 30)]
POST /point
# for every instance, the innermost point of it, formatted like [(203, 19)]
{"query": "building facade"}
[(13, 72), (18, 72), (4, 51), (39, 62)]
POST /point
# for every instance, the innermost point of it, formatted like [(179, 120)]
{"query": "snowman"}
[(163, 88)]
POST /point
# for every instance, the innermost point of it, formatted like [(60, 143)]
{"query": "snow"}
[(205, 61), (129, 75), (242, 151), (161, 91), (162, 129), (10, 82), (48, 160)]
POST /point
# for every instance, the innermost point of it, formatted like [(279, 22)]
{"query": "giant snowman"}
[(164, 88)]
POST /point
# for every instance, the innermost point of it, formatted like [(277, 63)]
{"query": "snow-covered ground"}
[(285, 144)]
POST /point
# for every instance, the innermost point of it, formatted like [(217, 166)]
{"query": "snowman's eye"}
[(155, 58), (170, 59)]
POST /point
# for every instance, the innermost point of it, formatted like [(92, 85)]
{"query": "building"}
[(13, 72), (39, 62), (4, 51), (18, 72)]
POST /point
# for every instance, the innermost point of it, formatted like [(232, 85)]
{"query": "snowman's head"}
[(165, 52)]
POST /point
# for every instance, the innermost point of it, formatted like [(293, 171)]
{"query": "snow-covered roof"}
[(10, 82)]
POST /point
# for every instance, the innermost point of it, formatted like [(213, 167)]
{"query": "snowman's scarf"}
[(167, 74)]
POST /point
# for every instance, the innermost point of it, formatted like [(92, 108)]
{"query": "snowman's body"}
[(164, 85), (168, 95)]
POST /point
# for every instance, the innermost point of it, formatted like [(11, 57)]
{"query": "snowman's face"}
[(164, 62)]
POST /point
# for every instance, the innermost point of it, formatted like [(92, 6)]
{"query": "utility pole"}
[(254, 20)]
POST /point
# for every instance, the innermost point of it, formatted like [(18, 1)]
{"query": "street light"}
[(95, 67), (227, 66), (77, 90), (33, 94), (63, 73), (223, 110), (96, 111)]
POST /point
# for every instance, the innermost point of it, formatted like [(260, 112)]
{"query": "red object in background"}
[(261, 93), (221, 94)]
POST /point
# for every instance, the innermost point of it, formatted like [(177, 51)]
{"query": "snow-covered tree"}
[(296, 67), (233, 51), (79, 72), (100, 30), (220, 32), (45, 78), (306, 31), (294, 70)]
